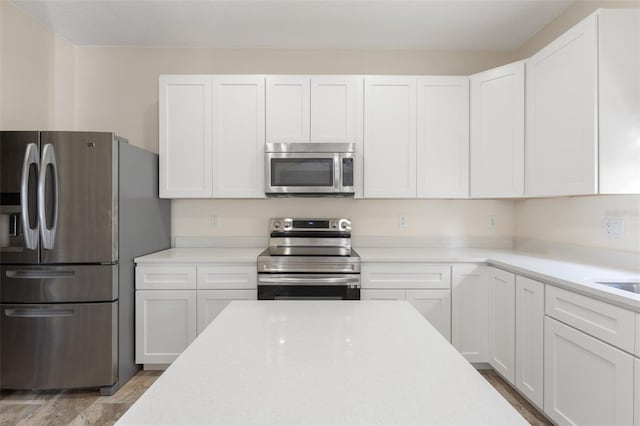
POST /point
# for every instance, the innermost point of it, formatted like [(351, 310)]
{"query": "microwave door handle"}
[(48, 234), (31, 156)]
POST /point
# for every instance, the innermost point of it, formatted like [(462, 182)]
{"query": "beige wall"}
[(37, 74), (425, 218)]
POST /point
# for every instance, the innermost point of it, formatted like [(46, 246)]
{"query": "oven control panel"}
[(309, 225)]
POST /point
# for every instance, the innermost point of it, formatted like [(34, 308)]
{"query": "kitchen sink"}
[(632, 286)]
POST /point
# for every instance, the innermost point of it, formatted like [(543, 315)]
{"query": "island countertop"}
[(320, 362)]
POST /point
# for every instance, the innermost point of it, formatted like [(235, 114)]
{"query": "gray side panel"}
[(145, 227)]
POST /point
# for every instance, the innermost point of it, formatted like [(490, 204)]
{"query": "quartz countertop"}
[(320, 362), (202, 255)]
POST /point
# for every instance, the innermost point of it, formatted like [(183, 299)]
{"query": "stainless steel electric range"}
[(309, 259)]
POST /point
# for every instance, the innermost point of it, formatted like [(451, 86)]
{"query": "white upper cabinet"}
[(390, 137), (288, 108), (238, 136), (336, 109), (443, 137), (619, 100), (185, 136), (497, 132), (582, 109)]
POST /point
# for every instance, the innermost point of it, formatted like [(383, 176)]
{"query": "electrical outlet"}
[(402, 222), (614, 228), (214, 220), (493, 222)]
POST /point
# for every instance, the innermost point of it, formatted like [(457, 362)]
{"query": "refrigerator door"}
[(58, 346), (78, 197), (19, 166), (59, 283)]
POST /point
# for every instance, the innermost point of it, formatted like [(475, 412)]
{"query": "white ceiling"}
[(344, 24)]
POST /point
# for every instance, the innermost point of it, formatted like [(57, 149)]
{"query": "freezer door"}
[(78, 197), (58, 346), (58, 284), (19, 165)]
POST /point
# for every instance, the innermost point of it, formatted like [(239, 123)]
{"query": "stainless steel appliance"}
[(309, 259), (320, 169), (75, 209)]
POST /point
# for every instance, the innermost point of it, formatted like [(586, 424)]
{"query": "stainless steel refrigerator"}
[(75, 209)]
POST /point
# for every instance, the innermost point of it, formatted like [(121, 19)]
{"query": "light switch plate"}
[(614, 228)]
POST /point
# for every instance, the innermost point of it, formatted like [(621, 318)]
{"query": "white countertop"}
[(570, 274), (320, 362), (202, 255)]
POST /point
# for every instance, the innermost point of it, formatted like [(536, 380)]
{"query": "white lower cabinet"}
[(435, 306), (636, 416), (586, 380), (470, 311), (529, 373), (502, 323), (212, 302), (165, 324)]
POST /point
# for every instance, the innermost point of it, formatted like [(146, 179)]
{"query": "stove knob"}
[(277, 224), (343, 225), (334, 225)]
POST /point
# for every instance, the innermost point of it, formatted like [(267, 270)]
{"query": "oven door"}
[(308, 287), (302, 173)]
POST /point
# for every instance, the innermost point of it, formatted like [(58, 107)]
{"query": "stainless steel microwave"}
[(313, 169)]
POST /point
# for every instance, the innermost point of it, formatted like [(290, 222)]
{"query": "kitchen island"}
[(320, 362)]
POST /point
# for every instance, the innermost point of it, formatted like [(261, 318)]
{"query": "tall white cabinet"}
[(582, 104), (238, 136), (502, 323), (497, 132), (184, 105), (443, 137), (390, 137)]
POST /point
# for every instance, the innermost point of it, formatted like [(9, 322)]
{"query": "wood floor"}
[(89, 408)]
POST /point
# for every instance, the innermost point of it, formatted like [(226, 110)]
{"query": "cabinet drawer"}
[(165, 277), (385, 294), (599, 319), (406, 275), (223, 277)]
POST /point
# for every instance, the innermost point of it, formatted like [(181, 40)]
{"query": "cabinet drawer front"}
[(386, 294), (599, 319), (165, 277), (586, 381), (221, 277), (406, 275)]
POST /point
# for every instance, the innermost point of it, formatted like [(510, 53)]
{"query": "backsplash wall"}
[(448, 219)]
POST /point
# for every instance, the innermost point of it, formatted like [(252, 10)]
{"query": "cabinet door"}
[(336, 109), (502, 323), (530, 339), (497, 132), (435, 306), (636, 416), (165, 324), (390, 137), (384, 294), (562, 128), (443, 137), (212, 302), (184, 107), (470, 312), (288, 109), (238, 136), (586, 381)]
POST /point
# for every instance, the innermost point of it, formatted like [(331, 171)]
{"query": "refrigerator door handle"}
[(31, 156), (39, 274), (38, 313), (47, 233)]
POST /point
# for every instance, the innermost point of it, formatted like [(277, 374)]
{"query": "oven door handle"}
[(310, 281)]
